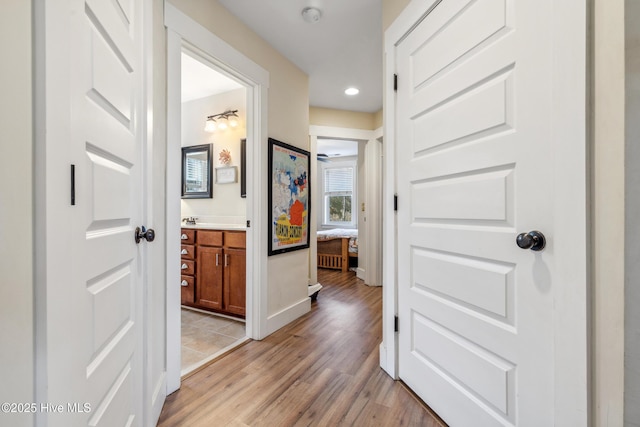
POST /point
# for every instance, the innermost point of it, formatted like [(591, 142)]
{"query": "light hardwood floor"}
[(321, 370)]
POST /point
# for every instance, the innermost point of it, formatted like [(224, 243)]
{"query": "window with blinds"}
[(339, 182)]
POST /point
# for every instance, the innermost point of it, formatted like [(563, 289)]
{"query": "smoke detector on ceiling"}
[(311, 15)]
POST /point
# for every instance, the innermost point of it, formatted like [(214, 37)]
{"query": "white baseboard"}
[(360, 273), (383, 355), (288, 315), (158, 396), (385, 363)]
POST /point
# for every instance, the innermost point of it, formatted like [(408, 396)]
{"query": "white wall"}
[(226, 206), (16, 210), (364, 232)]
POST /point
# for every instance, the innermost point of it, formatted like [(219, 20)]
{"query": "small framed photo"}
[(226, 175)]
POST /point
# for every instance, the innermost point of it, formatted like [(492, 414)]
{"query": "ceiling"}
[(343, 49), (337, 147), (200, 80)]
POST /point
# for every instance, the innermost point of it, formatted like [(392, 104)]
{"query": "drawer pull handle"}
[(184, 252), (184, 237), (217, 262), (184, 283), (226, 260), (184, 266)]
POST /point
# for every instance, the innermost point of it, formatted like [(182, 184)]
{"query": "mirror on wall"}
[(196, 172)]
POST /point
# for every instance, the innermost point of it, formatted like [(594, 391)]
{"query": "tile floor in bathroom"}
[(204, 335)]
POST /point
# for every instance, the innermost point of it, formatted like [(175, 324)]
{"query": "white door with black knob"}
[(478, 213), (91, 359)]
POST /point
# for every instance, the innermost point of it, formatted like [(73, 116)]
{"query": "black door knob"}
[(533, 240), (149, 235)]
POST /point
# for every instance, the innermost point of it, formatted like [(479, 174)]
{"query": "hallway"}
[(322, 370)]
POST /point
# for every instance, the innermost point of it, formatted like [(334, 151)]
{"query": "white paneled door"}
[(475, 156), (94, 167)]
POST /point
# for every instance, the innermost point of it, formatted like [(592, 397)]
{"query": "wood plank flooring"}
[(321, 370)]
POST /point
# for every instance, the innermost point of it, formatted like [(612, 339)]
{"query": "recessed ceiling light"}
[(352, 91)]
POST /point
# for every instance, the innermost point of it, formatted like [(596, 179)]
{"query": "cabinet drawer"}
[(187, 289), (187, 267), (235, 239), (187, 236), (209, 238), (188, 252)]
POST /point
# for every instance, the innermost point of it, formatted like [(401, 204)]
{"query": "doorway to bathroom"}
[(185, 36), (213, 274)]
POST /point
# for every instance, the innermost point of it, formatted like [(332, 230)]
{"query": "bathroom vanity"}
[(213, 268)]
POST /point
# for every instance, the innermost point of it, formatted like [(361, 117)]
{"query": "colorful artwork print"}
[(289, 197)]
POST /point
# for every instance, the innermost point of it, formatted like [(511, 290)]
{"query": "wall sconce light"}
[(221, 121)]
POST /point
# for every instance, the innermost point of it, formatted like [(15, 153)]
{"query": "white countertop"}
[(212, 226)]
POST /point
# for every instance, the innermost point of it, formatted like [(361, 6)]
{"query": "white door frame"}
[(183, 31), (370, 275), (571, 314)]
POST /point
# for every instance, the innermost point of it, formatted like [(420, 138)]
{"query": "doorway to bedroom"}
[(338, 215), (348, 208)]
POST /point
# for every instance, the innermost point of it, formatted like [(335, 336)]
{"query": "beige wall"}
[(608, 213), (288, 121), (16, 209), (342, 118), (377, 119), (390, 11)]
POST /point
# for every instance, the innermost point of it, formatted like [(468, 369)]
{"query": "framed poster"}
[(289, 197)]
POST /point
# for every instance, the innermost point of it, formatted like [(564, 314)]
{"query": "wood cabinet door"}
[(187, 289), (235, 261), (209, 274)]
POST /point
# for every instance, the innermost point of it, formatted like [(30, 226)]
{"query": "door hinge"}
[(395, 324), (395, 82), (395, 202), (248, 224), (73, 185)]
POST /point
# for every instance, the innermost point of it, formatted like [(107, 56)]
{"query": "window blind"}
[(338, 180)]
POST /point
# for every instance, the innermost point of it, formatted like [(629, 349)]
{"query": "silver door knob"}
[(533, 240)]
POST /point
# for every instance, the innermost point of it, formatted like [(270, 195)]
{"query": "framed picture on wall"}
[(289, 197), (226, 175), (196, 172)]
